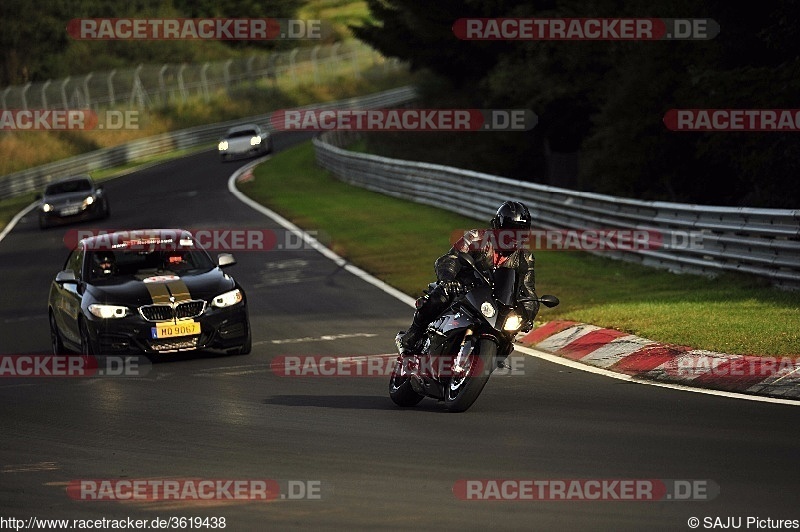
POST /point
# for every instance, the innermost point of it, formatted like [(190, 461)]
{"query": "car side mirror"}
[(225, 259), (66, 276)]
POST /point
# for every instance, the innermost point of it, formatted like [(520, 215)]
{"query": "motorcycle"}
[(461, 348)]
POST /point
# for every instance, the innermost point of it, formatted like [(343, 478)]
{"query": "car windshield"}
[(141, 263), (242, 133), (66, 187)]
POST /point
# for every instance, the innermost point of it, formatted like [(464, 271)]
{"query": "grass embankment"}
[(20, 150), (398, 242), (26, 149)]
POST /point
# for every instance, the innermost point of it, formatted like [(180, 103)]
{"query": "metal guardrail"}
[(763, 242), (36, 178)]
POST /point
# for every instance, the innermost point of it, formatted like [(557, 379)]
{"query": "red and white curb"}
[(645, 359)]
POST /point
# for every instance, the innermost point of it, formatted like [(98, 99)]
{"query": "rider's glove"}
[(450, 287)]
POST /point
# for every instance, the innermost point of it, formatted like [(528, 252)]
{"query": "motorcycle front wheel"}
[(463, 390), (400, 389)]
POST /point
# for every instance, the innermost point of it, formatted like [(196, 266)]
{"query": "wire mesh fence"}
[(159, 85)]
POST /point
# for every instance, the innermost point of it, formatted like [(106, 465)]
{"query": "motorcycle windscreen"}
[(505, 285)]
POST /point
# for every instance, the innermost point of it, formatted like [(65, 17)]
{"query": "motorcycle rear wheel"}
[(462, 391)]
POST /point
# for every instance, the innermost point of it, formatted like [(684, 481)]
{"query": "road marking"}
[(30, 468), (16, 220), (323, 338)]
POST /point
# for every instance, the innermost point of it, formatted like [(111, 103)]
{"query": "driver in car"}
[(500, 247), (105, 264)]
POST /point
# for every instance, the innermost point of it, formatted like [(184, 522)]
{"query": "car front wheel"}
[(55, 337), (86, 343)]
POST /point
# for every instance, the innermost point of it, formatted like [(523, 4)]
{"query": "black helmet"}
[(512, 215), (511, 225)]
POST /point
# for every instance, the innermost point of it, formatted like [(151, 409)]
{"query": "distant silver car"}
[(244, 141), (72, 199)]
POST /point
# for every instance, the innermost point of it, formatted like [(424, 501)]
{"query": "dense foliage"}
[(602, 103)]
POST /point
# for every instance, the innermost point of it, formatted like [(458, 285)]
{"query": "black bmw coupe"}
[(148, 291)]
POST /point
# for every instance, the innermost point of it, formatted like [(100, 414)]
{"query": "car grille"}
[(177, 311)]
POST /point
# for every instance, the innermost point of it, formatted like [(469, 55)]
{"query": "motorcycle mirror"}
[(549, 301)]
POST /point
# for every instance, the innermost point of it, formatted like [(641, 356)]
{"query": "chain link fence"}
[(160, 85)]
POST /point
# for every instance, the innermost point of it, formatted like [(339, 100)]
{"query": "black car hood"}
[(134, 291)]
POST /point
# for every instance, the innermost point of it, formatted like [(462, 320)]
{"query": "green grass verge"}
[(398, 242), (9, 207)]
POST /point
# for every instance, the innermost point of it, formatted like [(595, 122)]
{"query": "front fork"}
[(461, 362)]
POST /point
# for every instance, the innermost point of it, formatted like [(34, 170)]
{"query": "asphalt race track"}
[(207, 416)]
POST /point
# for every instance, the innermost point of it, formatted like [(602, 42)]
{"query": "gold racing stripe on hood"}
[(179, 290), (158, 292)]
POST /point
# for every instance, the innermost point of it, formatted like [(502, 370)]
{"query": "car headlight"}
[(227, 299), (513, 322), (108, 311), (88, 201), (47, 207), (255, 141), (223, 145)]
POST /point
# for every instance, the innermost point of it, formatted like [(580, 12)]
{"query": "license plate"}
[(171, 330), (70, 211)]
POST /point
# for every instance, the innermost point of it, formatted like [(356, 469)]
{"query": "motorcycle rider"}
[(500, 247)]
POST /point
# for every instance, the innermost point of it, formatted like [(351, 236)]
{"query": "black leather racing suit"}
[(448, 269)]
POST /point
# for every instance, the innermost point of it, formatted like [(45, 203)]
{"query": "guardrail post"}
[(292, 65), (86, 95), (64, 100), (137, 91), (250, 75), (162, 85), (272, 74), (334, 59), (314, 64), (227, 75), (44, 93), (24, 97), (204, 81), (356, 71), (181, 86), (110, 83)]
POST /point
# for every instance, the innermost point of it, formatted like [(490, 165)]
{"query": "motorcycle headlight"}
[(227, 299), (223, 145), (47, 207), (513, 322), (88, 201), (255, 141), (108, 311)]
